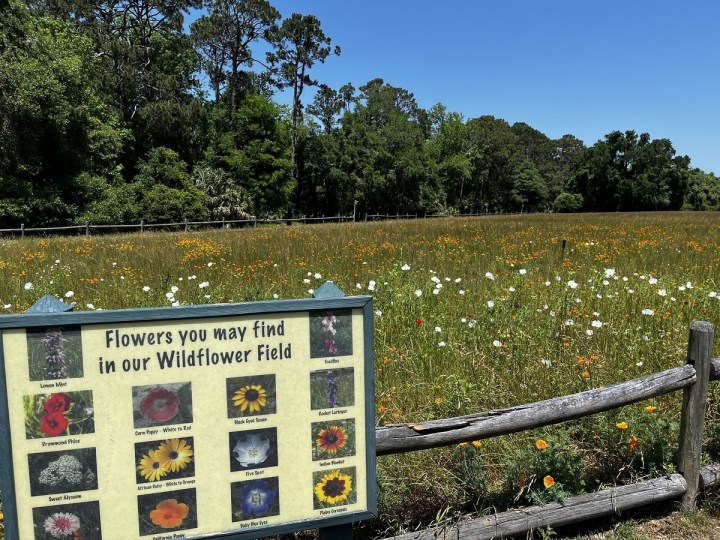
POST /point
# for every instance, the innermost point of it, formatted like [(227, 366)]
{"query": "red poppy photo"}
[(161, 405), (60, 414)]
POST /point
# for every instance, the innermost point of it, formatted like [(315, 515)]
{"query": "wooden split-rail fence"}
[(692, 378)]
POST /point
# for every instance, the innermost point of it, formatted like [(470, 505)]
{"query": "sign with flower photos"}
[(232, 421)]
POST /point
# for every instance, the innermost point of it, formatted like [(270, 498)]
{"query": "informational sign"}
[(229, 421)]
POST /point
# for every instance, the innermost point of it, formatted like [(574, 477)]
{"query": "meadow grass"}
[(471, 314)]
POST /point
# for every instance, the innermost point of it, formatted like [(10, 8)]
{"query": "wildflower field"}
[(470, 315)]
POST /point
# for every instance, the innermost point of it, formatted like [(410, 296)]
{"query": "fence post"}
[(22, 230), (87, 228), (186, 225), (692, 420)]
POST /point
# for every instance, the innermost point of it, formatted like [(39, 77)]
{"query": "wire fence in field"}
[(87, 229)]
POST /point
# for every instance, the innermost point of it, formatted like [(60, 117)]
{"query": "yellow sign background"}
[(115, 435)]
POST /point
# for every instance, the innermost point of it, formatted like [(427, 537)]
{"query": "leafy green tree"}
[(59, 138), (498, 151), (567, 202), (252, 146), (299, 43), (703, 191), (450, 147), (326, 106), (224, 38), (404, 176), (529, 190), (320, 189), (149, 68), (164, 190), (627, 171), (567, 150), (225, 198)]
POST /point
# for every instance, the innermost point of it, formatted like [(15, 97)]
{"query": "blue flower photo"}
[(255, 499)]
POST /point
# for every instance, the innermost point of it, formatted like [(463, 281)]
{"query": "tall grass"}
[(472, 314)]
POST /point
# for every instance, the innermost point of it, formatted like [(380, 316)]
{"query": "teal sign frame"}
[(302, 423)]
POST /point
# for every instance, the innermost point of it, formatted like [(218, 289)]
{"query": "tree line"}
[(112, 112)]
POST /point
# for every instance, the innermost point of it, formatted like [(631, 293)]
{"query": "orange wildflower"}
[(477, 444), (548, 482), (633, 443), (650, 408), (621, 425), (169, 513), (462, 444), (541, 444), (585, 374)]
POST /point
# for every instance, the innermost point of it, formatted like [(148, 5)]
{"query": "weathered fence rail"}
[(692, 378), (87, 228)]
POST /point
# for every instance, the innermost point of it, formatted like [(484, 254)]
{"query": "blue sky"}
[(562, 66)]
